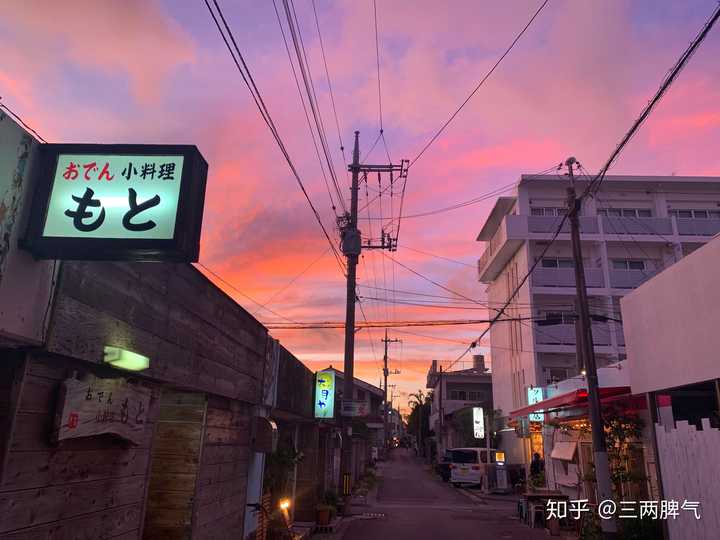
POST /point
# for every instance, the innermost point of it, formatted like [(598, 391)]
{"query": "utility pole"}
[(586, 351), (351, 245), (386, 372), (441, 450)]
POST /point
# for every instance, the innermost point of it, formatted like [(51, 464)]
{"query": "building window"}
[(361, 394), (557, 317), (547, 211), (625, 212), (556, 375), (695, 214), (628, 264), (557, 262), (458, 395)]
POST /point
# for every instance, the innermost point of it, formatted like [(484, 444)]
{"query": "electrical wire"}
[(305, 72), (302, 102), (243, 294), (377, 56), (667, 82), (482, 81), (404, 246), (332, 95), (22, 122), (385, 324), (265, 114), (293, 280)]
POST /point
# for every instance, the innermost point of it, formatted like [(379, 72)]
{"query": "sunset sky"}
[(158, 72)]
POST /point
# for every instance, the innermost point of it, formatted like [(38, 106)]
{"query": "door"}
[(175, 461)]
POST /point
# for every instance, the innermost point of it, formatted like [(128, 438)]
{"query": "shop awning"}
[(570, 399), (564, 450)]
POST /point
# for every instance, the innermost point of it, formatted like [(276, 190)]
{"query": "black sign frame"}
[(183, 247)]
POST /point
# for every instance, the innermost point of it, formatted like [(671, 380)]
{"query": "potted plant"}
[(326, 510), (323, 514)]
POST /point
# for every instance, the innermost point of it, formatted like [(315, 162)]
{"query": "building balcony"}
[(564, 334), (629, 279), (541, 224), (509, 236), (698, 227), (637, 226), (565, 277)]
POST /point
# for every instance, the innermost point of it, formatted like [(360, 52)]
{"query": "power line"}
[(667, 82), (404, 246), (301, 53), (385, 324), (377, 56), (22, 122), (243, 294), (265, 114), (293, 280), (447, 340), (327, 75), (482, 81), (302, 102)]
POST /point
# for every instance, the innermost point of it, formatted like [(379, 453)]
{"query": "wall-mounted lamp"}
[(123, 359)]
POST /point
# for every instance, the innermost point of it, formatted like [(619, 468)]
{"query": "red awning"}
[(571, 399)]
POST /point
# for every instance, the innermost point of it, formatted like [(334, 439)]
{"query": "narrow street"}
[(414, 503)]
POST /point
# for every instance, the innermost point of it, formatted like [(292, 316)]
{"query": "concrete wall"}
[(671, 324), (25, 284)]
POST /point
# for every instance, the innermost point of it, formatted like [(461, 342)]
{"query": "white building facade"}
[(455, 391), (631, 229)]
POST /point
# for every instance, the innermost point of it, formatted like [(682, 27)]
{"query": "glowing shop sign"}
[(535, 395), (117, 202), (114, 196), (478, 423), (325, 394)]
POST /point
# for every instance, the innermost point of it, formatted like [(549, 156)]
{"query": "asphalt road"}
[(414, 503)]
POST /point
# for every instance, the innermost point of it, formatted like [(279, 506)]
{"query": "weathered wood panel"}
[(82, 331), (196, 336), (222, 479), (57, 467), (27, 508), (82, 488), (119, 522), (175, 462)]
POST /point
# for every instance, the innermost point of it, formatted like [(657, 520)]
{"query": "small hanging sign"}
[(97, 406)]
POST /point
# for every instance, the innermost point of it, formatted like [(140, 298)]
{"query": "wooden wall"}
[(83, 488), (196, 336), (309, 473), (296, 385), (175, 464), (222, 480)]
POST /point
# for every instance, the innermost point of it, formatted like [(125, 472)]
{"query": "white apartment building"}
[(455, 391), (631, 229)]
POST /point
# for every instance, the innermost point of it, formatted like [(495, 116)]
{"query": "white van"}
[(469, 465)]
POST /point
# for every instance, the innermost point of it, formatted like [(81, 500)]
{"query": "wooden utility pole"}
[(585, 350), (351, 245), (386, 372)]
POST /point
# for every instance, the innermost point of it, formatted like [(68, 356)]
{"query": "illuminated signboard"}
[(117, 202), (478, 423), (535, 395), (324, 394)]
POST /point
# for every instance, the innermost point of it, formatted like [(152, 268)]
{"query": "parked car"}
[(442, 467), (469, 465)]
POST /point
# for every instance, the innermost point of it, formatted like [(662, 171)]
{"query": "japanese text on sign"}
[(325, 394), (114, 196), (96, 406)]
